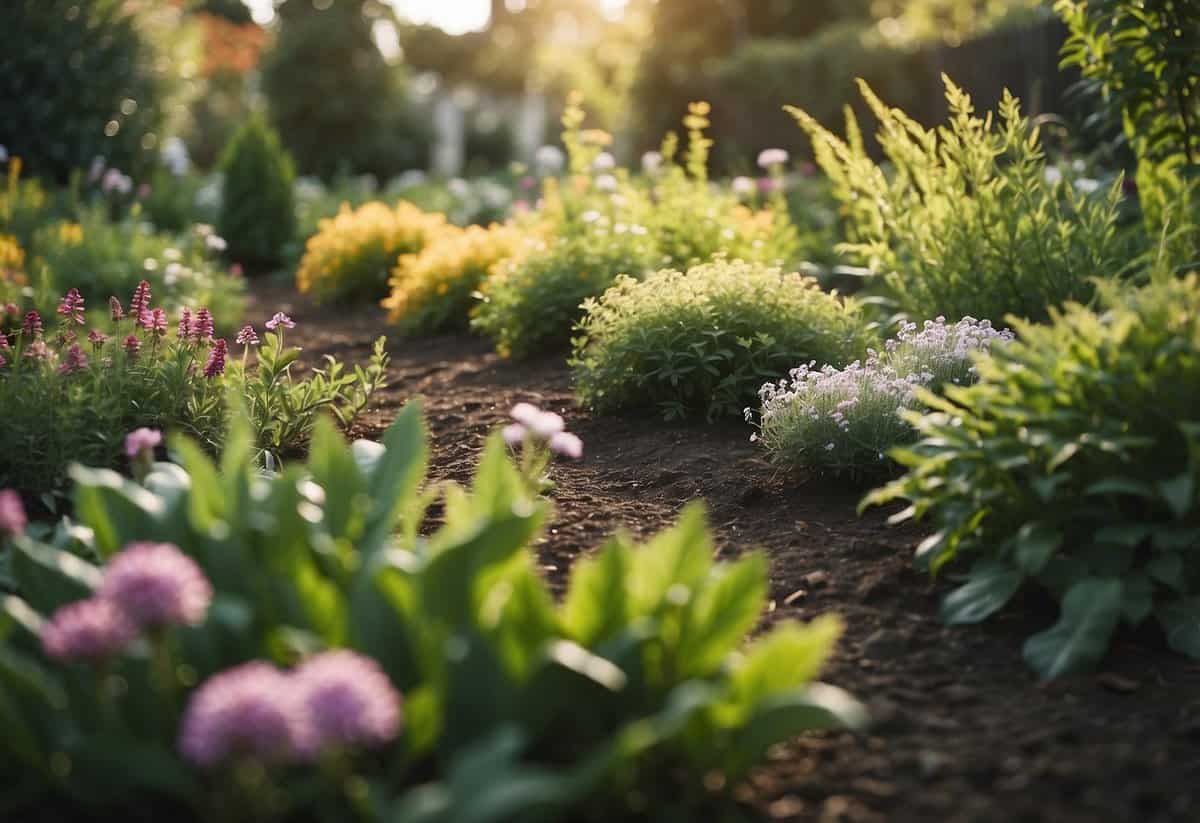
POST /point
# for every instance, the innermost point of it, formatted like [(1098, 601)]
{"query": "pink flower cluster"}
[(543, 427), (12, 513), (334, 701), (145, 587)]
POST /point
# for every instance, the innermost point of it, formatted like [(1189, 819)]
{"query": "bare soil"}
[(962, 730)]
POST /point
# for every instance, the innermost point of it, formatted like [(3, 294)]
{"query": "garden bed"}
[(963, 730)]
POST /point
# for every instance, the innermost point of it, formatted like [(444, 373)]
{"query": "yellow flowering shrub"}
[(432, 289), (352, 254)]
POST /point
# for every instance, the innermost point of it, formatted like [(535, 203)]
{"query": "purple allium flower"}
[(140, 440), (247, 711), (567, 444), (12, 513), (280, 319), (91, 629), (71, 307), (115, 310), (202, 326), (75, 361), (185, 325), (97, 339), (216, 359), (247, 336), (347, 700), (157, 585), (132, 345), (140, 301), (32, 325)]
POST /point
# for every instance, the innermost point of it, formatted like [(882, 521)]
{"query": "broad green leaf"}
[(1079, 639), (1180, 494), (206, 498), (334, 469), (673, 562), (784, 715), (990, 585), (1167, 568), (115, 508), (596, 605), (1137, 598), (787, 657), (518, 615), (1180, 620), (720, 615), (1036, 544), (49, 578), (394, 475)]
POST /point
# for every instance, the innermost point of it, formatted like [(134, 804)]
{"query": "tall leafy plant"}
[(257, 217)]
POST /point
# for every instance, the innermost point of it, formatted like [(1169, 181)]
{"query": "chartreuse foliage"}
[(1073, 465), (966, 223), (706, 340), (515, 707)]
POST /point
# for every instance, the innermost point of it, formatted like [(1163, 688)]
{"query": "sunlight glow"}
[(453, 16)]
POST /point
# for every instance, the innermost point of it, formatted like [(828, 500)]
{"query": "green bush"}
[(515, 707), (258, 216), (706, 340), (80, 80), (1073, 465), (967, 222)]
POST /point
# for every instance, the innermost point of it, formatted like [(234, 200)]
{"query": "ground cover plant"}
[(704, 341), (67, 395), (843, 421), (353, 254), (1071, 466), (294, 643), (967, 222)]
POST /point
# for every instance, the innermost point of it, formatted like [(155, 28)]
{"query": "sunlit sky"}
[(455, 16)]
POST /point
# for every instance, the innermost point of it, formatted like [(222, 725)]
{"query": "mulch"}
[(962, 730)]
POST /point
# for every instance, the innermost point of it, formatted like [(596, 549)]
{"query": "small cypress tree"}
[(258, 217)]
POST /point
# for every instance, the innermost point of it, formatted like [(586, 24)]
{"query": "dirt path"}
[(963, 731)]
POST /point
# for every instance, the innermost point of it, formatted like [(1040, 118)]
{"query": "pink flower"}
[(280, 319), (97, 339), (92, 629), (12, 513), (202, 326), (75, 361), (567, 444), (158, 322), (543, 424), (132, 345), (185, 325), (157, 585), (140, 301), (3, 342), (11, 309), (216, 360), (236, 270), (514, 434), (140, 440), (347, 701), (247, 336), (38, 350), (114, 308), (32, 325), (71, 306), (3, 362)]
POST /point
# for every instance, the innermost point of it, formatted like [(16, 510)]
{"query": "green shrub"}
[(80, 80), (102, 258), (706, 340), (258, 217), (843, 421), (1073, 465), (967, 222), (515, 707)]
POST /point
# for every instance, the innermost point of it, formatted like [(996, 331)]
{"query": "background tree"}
[(257, 217)]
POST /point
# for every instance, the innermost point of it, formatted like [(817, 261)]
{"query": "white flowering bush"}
[(844, 421)]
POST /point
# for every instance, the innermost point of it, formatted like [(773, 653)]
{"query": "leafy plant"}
[(967, 222), (432, 290), (353, 254), (1073, 465), (705, 340), (1144, 59), (514, 708), (842, 421), (282, 411), (258, 216)]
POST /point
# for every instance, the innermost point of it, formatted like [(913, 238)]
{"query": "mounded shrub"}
[(704, 341), (258, 214), (1072, 466), (352, 255)]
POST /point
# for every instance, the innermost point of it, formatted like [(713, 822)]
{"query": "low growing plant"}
[(353, 254), (705, 340), (967, 222), (283, 646), (844, 421), (1073, 465)]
